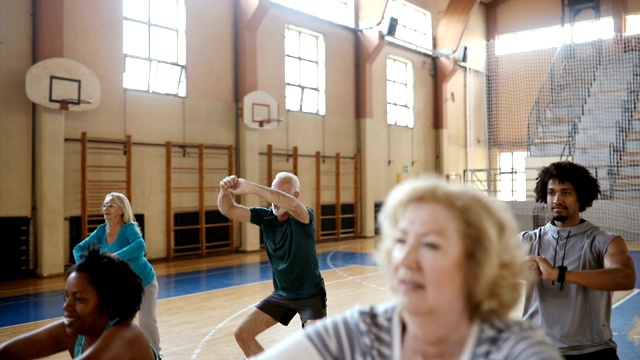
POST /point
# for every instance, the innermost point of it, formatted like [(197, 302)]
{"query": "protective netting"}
[(579, 102)]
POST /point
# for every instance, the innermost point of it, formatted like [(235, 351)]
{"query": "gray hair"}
[(295, 182)]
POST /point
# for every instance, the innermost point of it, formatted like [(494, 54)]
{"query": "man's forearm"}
[(271, 195), (225, 202), (602, 279)]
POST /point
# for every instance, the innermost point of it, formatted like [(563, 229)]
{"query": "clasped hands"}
[(539, 266), (234, 184)]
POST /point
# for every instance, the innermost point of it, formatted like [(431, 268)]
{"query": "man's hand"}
[(533, 267), (234, 184), (546, 270), (230, 186)]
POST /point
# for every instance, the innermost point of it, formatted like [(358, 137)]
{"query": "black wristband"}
[(562, 272)]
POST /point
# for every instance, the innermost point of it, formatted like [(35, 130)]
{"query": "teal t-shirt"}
[(291, 248), (128, 246)]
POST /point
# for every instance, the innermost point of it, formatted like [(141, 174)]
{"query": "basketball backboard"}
[(63, 84), (260, 111)]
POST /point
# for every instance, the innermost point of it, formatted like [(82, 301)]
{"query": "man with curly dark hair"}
[(576, 266), (102, 296)]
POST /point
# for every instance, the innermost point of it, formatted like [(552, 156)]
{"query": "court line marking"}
[(635, 291), (349, 277), (198, 349)]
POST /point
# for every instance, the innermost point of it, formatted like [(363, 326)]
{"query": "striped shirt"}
[(375, 332)]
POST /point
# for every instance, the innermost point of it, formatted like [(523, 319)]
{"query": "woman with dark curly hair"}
[(102, 296)]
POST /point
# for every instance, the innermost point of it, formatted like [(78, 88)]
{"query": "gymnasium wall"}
[(92, 35), (15, 109)]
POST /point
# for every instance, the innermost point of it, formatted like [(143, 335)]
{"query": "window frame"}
[(409, 96), (554, 36), (514, 175), (307, 91), (156, 66), (404, 29), (634, 19)]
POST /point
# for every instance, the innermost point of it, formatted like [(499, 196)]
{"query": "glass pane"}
[(407, 116), (414, 24), (308, 47), (519, 160), (520, 187), (182, 28), (402, 117), (632, 24), (309, 74), (164, 13), (166, 79), (411, 120), (392, 114), (505, 187), (164, 44), (291, 70), (397, 71), (310, 101), (136, 9), (389, 121), (292, 100), (401, 94), (505, 162), (136, 74), (135, 39), (391, 92), (396, 93), (333, 10), (292, 43)]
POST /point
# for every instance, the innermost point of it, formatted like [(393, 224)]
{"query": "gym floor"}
[(202, 301)]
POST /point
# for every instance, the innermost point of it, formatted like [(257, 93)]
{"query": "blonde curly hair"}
[(494, 257)]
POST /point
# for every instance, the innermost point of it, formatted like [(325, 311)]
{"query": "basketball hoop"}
[(62, 84), (260, 111), (261, 123), (66, 103)]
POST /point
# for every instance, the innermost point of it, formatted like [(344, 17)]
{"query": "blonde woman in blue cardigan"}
[(120, 237)]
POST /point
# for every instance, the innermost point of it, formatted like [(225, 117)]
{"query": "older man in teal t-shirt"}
[(289, 236)]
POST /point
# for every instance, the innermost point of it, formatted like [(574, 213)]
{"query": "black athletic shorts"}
[(283, 309)]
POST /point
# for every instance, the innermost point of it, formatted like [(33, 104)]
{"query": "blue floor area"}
[(635, 254), (623, 320), (41, 306)]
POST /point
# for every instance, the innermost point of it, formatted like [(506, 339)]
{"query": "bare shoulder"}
[(125, 340), (617, 246)]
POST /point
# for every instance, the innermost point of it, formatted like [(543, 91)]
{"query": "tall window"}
[(632, 26), (554, 36), (337, 11), (304, 71), (154, 46), (512, 180), (414, 27), (399, 92)]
